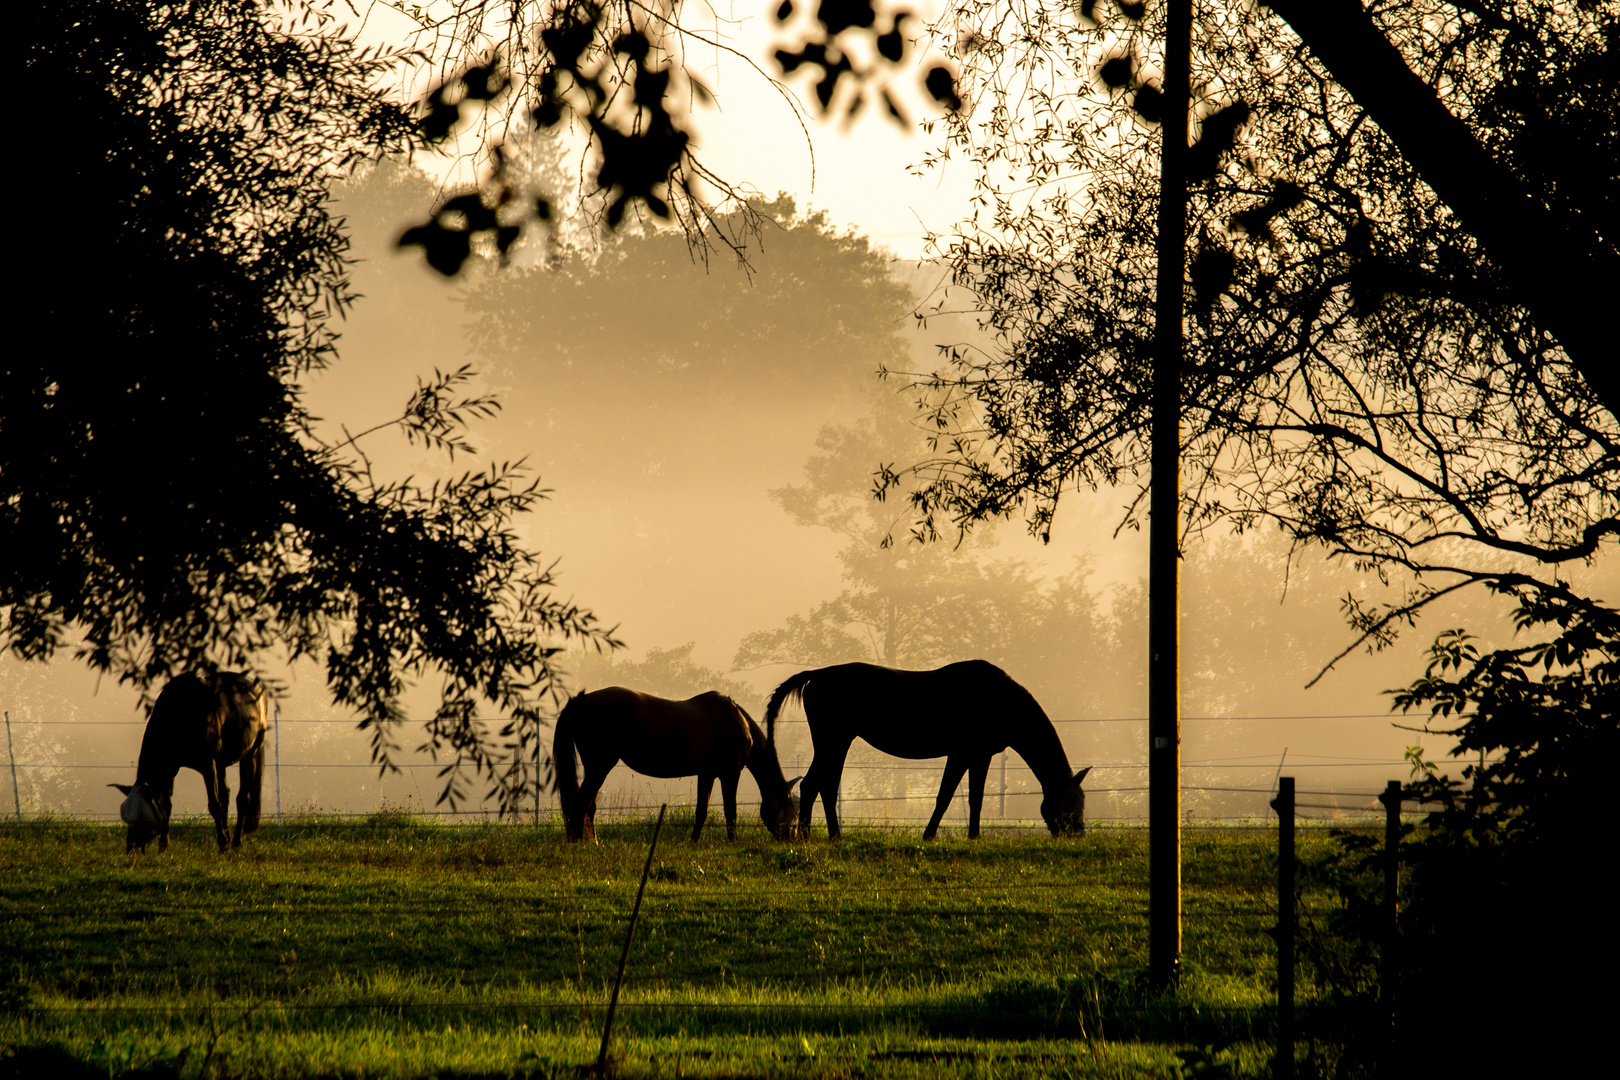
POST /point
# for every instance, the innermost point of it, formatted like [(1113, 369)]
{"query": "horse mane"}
[(181, 698), (762, 761), (792, 687), (1038, 742)]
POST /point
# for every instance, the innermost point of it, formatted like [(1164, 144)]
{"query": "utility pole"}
[(1164, 555)]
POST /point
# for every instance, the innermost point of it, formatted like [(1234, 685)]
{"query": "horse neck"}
[(158, 764), (766, 768), (1037, 742)]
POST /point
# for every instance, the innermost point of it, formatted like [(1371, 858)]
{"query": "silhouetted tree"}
[(1522, 165), (817, 313), (609, 77), (666, 673), (167, 502), (1501, 886), (1360, 370), (915, 607)]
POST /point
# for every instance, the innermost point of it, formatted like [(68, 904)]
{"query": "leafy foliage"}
[(1506, 849), (167, 502), (1544, 719), (1356, 368), (610, 77)]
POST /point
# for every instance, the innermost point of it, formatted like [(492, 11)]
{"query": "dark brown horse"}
[(966, 713), (709, 736), (207, 723)]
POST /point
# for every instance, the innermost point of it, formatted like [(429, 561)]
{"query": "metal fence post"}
[(1004, 785), (1388, 966), (537, 772), (629, 936), (278, 765), (1283, 1067), (1278, 776), (16, 793)]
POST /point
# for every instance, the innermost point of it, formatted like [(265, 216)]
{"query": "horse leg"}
[(705, 786), (163, 833), (728, 796), (250, 775), (954, 768), (976, 776), (595, 776), (828, 780), (218, 792)]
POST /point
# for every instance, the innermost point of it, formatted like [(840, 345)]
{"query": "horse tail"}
[(792, 687), (562, 756), (248, 799)]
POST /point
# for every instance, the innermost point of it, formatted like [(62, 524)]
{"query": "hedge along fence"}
[(48, 776)]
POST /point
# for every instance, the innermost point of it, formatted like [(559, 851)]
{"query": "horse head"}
[(143, 812), (1066, 816), (780, 810)]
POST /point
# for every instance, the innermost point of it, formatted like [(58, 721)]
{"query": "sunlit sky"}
[(860, 172)]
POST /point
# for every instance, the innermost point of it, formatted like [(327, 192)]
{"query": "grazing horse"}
[(966, 712), (207, 723), (709, 736)]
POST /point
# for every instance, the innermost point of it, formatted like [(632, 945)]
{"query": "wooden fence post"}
[(1283, 1066), (1388, 963)]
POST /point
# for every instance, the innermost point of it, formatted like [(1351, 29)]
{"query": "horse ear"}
[(1079, 776), (125, 788), (793, 781)]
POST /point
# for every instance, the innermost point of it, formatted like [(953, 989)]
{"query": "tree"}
[(167, 501), (534, 67), (609, 78), (1529, 181), (1357, 370), (814, 315), (666, 673), (921, 607), (1500, 887)]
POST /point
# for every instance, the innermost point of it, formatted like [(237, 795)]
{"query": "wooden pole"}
[(629, 935), (1164, 555), (1283, 1067), (1388, 968)]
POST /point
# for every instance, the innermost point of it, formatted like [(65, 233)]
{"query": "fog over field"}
[(710, 468)]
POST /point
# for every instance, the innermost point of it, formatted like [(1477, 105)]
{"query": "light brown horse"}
[(207, 723), (708, 736)]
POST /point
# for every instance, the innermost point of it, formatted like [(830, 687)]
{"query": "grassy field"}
[(393, 949)]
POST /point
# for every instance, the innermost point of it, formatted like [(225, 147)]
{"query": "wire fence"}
[(877, 791)]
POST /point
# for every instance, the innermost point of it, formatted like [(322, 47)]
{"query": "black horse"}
[(207, 723), (966, 712)]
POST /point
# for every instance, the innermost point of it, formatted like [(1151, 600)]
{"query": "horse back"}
[(659, 737), (971, 704), (199, 721)]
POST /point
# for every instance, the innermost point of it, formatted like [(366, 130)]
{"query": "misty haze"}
[(710, 466)]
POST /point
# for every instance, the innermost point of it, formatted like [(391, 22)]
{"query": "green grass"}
[(399, 950)]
